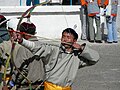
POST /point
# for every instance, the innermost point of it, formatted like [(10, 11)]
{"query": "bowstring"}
[(29, 11)]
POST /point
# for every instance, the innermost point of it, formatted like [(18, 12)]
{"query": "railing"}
[(52, 2)]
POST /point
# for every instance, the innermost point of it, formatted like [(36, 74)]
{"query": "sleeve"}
[(89, 56), (106, 2), (83, 2), (39, 49), (5, 47), (21, 57), (99, 2), (28, 44)]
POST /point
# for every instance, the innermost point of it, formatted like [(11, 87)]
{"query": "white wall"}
[(49, 25), (23, 2), (49, 20), (12, 2)]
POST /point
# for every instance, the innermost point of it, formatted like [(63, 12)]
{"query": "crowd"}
[(94, 9)]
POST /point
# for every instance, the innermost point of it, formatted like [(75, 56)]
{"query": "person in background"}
[(111, 14), (84, 19), (93, 13), (103, 4), (61, 61), (34, 74), (33, 70), (34, 2), (5, 52), (4, 35)]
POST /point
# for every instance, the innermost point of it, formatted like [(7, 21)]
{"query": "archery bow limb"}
[(4, 75), (28, 12), (10, 19), (12, 50)]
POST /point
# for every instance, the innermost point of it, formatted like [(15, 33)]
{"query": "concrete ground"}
[(105, 75)]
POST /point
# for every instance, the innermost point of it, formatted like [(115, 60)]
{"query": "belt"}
[(50, 86)]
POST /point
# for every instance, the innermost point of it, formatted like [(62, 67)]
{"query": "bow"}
[(26, 14)]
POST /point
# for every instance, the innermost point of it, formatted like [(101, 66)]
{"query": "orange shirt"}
[(105, 2), (83, 2)]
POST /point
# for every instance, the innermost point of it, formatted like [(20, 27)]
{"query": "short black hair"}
[(26, 27), (71, 31)]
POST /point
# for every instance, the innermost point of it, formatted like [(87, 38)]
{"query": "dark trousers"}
[(67, 2), (34, 2)]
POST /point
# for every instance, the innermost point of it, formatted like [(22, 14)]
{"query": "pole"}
[(71, 2), (20, 2)]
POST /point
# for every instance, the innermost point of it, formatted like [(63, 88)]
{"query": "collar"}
[(63, 50)]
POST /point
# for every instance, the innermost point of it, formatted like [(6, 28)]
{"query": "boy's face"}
[(67, 39)]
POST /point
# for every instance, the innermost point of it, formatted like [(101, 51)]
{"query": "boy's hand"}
[(19, 37)]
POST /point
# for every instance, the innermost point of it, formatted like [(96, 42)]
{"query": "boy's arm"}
[(89, 56), (28, 44)]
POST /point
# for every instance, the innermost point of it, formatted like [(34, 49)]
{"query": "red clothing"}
[(83, 2), (93, 14), (105, 2)]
